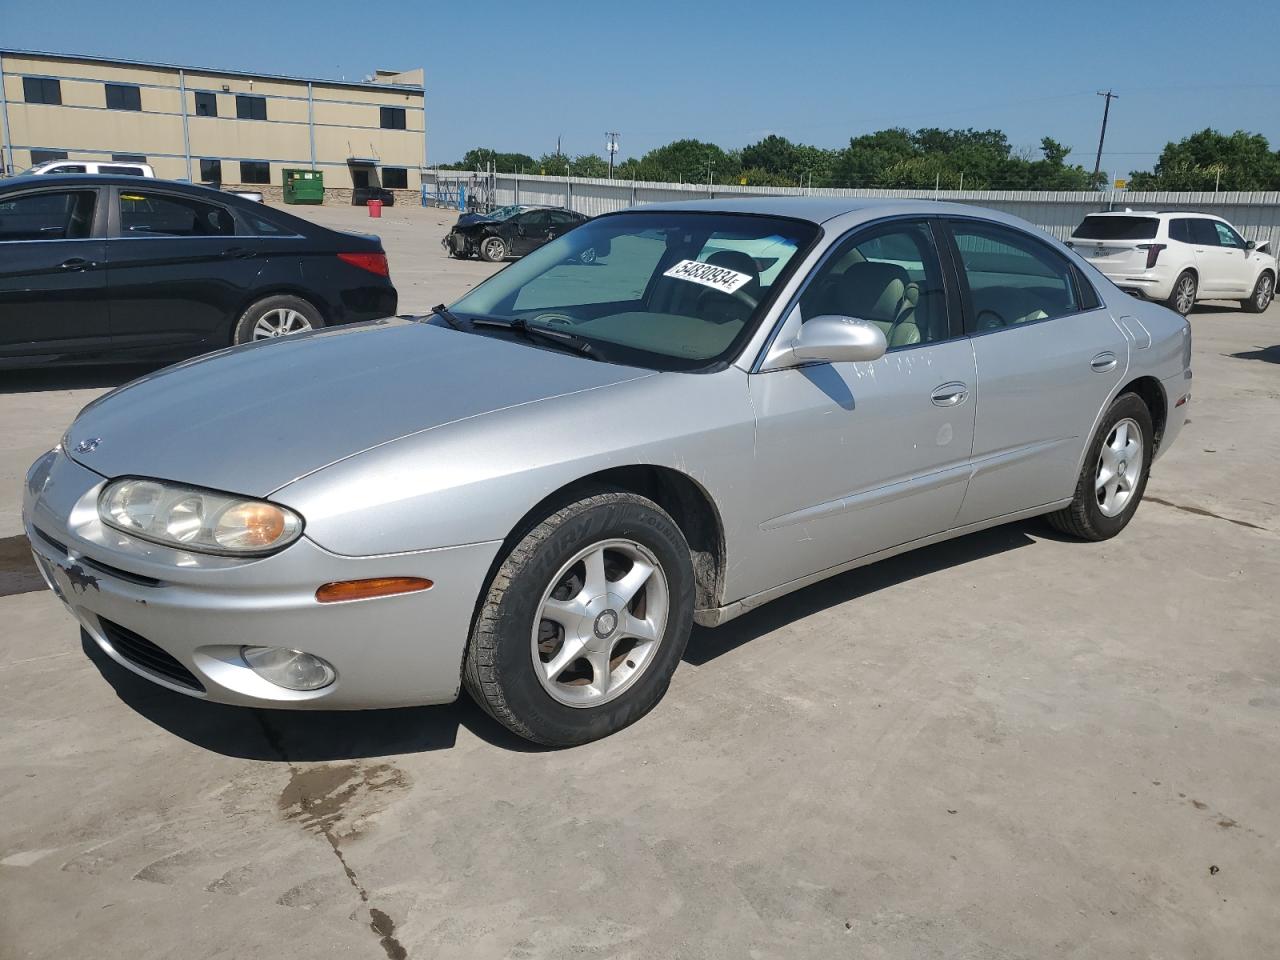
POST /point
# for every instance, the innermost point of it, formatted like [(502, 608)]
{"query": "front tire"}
[(493, 249), (1183, 297), (1263, 291), (1114, 476), (276, 316), (584, 622)]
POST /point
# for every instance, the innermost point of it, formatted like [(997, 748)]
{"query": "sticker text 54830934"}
[(709, 275)]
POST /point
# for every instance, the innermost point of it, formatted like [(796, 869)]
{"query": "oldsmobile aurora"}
[(536, 492)]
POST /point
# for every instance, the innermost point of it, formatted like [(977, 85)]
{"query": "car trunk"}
[(1116, 243)]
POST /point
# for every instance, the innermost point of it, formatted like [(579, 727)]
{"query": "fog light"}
[(291, 669)]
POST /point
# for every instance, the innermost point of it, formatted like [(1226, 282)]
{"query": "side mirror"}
[(833, 339), (1250, 245)]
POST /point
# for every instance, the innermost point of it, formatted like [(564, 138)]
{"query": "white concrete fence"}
[(1255, 215)]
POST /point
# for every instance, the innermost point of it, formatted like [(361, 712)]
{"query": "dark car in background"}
[(113, 267), (510, 231)]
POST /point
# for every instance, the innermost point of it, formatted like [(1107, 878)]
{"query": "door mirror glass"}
[(1250, 244), (833, 339)]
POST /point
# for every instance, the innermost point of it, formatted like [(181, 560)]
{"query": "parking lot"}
[(1008, 745)]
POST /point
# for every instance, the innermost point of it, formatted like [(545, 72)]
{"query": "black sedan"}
[(509, 231), (102, 267)]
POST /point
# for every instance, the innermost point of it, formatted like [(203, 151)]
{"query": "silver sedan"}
[(535, 492)]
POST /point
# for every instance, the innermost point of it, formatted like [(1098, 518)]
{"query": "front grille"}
[(143, 653)]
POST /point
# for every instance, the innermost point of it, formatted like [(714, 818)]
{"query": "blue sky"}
[(514, 75)]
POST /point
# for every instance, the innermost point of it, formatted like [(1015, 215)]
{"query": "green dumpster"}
[(303, 186)]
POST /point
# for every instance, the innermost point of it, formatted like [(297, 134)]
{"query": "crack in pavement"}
[(1201, 512), (379, 921)]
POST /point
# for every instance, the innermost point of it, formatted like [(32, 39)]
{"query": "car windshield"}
[(667, 290), (503, 213), (1117, 228)]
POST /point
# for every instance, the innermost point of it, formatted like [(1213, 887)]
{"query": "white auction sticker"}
[(709, 275)]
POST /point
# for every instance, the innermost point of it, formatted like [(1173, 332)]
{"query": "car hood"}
[(252, 419)]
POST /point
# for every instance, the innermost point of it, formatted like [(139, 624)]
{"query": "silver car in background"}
[(536, 492)]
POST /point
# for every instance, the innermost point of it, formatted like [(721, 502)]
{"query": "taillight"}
[(373, 262), (1153, 252)]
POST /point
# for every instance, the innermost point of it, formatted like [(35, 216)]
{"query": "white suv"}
[(127, 168), (1177, 258)]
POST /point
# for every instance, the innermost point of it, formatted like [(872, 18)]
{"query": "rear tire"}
[(1183, 297), (564, 650), (1110, 486), (284, 313), (1263, 292)]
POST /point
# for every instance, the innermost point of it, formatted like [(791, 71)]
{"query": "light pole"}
[(1097, 164), (611, 145)]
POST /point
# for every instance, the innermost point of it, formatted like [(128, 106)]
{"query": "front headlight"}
[(195, 519)]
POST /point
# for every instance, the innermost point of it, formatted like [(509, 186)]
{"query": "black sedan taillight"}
[(1153, 252), (373, 262)]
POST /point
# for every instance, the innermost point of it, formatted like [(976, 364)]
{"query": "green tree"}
[(686, 161), (478, 158), (1209, 159)]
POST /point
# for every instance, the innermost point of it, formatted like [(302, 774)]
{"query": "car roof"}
[(119, 180), (823, 209)]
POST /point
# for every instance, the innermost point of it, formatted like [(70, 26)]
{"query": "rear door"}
[(52, 273), (1048, 357), (182, 268), (1115, 244)]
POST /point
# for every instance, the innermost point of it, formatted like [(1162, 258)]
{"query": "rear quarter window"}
[(1117, 228)]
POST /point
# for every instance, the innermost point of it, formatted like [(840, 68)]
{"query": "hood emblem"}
[(88, 445)]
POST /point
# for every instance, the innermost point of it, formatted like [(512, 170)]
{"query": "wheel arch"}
[(687, 501), (1150, 392)]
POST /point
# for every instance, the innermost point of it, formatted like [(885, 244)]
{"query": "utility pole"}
[(1097, 164), (611, 145)]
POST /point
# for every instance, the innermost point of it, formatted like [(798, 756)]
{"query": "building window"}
[(210, 171), (392, 118), (44, 156), (251, 108), (122, 96), (41, 90), (128, 158), (255, 171), (395, 178), (206, 104)]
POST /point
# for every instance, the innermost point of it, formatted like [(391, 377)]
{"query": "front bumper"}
[(132, 596)]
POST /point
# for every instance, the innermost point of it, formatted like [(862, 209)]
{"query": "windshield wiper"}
[(441, 311), (570, 340)]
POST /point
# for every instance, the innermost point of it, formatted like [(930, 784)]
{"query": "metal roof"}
[(118, 61)]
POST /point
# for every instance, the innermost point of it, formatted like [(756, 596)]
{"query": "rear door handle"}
[(950, 394), (1104, 362), (240, 253), (76, 263)]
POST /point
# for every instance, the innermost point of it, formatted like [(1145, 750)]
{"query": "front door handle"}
[(76, 263), (950, 394), (1104, 362), (239, 253)]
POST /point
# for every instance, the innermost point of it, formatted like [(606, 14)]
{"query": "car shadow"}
[(42, 379), (706, 644), (1265, 354), (332, 735), (300, 735)]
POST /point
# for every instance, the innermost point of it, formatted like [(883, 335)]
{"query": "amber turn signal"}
[(365, 589)]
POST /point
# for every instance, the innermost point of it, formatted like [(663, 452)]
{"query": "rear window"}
[(1117, 228)]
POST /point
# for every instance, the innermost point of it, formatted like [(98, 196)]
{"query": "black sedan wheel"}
[(493, 249), (277, 316)]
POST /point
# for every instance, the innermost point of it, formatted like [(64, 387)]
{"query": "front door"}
[(854, 458), (1049, 356), (53, 274), (529, 231)]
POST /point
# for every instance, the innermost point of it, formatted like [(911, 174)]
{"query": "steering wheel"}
[(741, 296), (1000, 321), (554, 319)]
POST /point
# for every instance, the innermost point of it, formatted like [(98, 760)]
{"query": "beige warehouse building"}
[(194, 123)]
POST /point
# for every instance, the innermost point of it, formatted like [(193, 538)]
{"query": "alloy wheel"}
[(1265, 292), (600, 623), (280, 322), (1186, 294), (1119, 468), (495, 249)]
